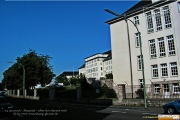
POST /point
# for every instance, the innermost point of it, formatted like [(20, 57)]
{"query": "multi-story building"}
[(159, 26), (97, 66)]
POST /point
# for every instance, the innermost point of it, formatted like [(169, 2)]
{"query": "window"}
[(166, 87), (167, 17), (139, 62), (154, 71), (176, 88), (171, 46), (174, 69), (164, 71), (156, 89), (150, 28), (152, 48), (158, 19), (162, 51), (137, 39), (136, 20), (141, 83)]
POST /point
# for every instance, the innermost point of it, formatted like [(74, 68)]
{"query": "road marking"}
[(146, 113), (116, 111), (124, 112)]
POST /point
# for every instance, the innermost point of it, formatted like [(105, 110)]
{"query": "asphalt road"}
[(48, 110)]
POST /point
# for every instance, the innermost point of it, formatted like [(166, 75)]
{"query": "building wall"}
[(120, 49)]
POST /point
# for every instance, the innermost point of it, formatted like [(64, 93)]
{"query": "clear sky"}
[(68, 31)]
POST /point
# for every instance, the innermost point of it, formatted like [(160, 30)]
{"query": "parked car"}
[(5, 104), (3, 93), (172, 107)]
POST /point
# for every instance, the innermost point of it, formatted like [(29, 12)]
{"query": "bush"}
[(108, 92), (140, 93)]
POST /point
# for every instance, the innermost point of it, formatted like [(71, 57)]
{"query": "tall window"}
[(141, 83), (176, 88), (136, 20), (158, 19), (139, 62), (152, 48), (156, 89), (137, 39), (167, 17), (150, 28), (174, 69), (162, 51), (171, 46), (154, 71), (164, 71)]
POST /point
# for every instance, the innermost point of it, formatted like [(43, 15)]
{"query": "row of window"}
[(160, 15), (166, 88), (108, 62), (164, 70), (163, 46)]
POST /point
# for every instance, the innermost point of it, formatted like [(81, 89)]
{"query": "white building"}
[(97, 66), (159, 26)]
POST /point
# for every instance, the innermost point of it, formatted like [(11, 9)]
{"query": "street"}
[(36, 109)]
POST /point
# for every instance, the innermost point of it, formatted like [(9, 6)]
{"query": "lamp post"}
[(126, 19), (23, 78)]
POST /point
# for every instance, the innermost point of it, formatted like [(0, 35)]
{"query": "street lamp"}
[(23, 77), (126, 19)]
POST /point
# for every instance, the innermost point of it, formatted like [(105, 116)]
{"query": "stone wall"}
[(140, 102)]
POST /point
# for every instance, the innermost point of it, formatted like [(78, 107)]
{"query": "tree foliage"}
[(62, 79), (37, 70), (109, 76)]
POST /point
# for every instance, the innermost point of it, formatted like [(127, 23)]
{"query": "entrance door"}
[(166, 92)]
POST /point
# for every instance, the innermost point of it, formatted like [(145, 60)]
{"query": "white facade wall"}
[(120, 49), (107, 66), (94, 67)]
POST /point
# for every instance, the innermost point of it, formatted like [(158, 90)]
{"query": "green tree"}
[(62, 79), (37, 67), (109, 76)]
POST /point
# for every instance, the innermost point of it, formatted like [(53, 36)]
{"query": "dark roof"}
[(139, 5), (83, 66), (107, 52), (70, 73), (142, 6)]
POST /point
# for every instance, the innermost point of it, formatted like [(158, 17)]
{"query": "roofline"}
[(97, 54), (138, 10)]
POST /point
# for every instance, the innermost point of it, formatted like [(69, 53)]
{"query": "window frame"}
[(167, 17), (158, 21), (162, 47), (171, 69), (163, 69), (171, 44), (152, 47), (149, 21), (137, 39), (177, 90), (155, 69), (136, 20), (157, 88), (139, 62)]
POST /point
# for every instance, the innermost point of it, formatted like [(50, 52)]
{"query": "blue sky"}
[(68, 31)]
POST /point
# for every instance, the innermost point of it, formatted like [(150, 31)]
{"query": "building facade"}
[(97, 66), (159, 26)]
